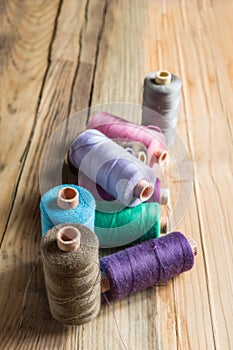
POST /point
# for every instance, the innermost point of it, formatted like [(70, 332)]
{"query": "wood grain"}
[(26, 34), (58, 58)]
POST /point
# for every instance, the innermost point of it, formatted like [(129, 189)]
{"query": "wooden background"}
[(58, 57)]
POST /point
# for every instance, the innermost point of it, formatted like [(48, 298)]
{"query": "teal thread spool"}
[(129, 225)]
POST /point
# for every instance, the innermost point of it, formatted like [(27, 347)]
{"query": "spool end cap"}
[(68, 238), (67, 198), (163, 77)]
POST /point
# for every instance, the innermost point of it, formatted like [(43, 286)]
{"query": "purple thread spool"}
[(101, 195), (150, 263), (117, 171), (96, 190)]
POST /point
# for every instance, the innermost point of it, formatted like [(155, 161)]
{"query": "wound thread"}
[(72, 278), (56, 208), (115, 127), (150, 263), (101, 195), (117, 171), (161, 103), (130, 225)]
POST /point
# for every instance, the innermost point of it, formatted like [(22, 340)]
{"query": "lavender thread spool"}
[(160, 195), (161, 97), (118, 172)]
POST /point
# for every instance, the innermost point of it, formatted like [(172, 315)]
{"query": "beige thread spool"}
[(70, 256)]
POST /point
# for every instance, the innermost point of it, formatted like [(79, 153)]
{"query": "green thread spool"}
[(129, 225)]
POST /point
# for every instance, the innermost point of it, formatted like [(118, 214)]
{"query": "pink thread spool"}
[(116, 128)]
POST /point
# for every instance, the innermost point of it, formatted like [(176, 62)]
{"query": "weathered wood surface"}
[(58, 57)]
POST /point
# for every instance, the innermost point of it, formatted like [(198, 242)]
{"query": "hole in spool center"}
[(142, 157), (68, 234), (68, 193), (163, 74), (146, 193), (163, 156)]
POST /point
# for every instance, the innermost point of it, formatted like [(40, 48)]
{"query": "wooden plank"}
[(26, 35), (212, 158), (26, 320)]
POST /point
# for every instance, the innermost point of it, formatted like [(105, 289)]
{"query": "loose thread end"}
[(193, 245), (68, 238), (163, 77), (143, 190), (67, 198)]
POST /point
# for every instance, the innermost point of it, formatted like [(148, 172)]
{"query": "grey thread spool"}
[(161, 100), (70, 255)]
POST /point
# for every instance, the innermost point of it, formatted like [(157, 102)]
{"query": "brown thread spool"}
[(143, 190), (72, 277), (105, 285), (67, 198)]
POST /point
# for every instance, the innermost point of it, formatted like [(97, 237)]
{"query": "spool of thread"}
[(96, 190), (67, 203), (161, 97), (150, 263), (130, 225), (160, 195), (115, 128), (101, 195), (118, 172), (70, 259), (136, 148)]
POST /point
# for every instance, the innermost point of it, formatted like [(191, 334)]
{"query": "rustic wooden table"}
[(58, 57)]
